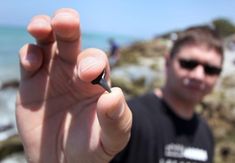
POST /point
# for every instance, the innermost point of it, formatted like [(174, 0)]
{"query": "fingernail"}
[(31, 58), (39, 22), (116, 113), (63, 15), (87, 63)]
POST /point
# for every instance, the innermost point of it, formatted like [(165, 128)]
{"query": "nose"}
[(198, 73)]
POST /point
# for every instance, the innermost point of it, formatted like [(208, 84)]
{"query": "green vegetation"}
[(224, 27)]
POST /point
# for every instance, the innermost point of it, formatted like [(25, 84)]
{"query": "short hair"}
[(198, 35)]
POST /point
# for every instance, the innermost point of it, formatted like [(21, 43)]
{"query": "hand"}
[(61, 116)]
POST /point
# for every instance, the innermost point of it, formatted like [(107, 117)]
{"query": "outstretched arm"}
[(61, 116)]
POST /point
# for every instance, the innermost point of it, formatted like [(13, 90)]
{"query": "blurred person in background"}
[(114, 54)]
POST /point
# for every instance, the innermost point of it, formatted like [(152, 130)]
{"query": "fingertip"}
[(113, 109), (30, 58), (89, 67), (40, 28), (112, 104), (70, 10), (91, 63), (66, 24)]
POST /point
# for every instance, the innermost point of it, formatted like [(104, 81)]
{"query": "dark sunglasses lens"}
[(212, 70), (188, 64), (191, 64)]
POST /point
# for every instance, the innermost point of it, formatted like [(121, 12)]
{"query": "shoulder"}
[(144, 100), (146, 108)]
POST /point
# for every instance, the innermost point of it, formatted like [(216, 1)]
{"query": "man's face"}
[(193, 72)]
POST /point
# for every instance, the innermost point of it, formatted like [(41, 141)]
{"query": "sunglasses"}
[(189, 64)]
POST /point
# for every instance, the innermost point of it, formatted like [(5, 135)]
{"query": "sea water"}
[(11, 40)]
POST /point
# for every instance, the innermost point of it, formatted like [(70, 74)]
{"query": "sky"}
[(137, 18)]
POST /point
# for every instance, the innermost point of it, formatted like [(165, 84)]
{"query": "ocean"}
[(11, 40)]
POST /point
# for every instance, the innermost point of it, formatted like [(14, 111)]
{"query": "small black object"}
[(102, 82)]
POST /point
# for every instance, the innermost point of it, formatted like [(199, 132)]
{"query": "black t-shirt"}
[(159, 136)]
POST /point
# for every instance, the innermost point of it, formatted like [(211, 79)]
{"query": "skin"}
[(183, 96), (61, 116)]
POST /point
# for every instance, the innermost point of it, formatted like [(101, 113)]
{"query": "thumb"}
[(115, 120)]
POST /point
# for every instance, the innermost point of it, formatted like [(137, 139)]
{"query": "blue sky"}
[(138, 18)]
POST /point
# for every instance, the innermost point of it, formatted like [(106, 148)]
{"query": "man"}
[(114, 54), (62, 117), (165, 125)]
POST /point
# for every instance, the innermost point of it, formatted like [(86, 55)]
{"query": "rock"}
[(9, 84), (152, 50), (6, 127), (134, 79), (10, 146), (18, 157), (225, 152), (229, 42)]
